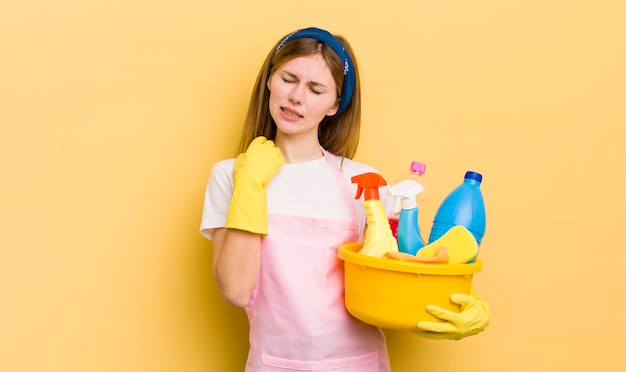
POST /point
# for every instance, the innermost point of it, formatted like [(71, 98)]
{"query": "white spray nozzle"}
[(406, 190)]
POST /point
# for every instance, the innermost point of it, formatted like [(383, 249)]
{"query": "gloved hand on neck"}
[(252, 172)]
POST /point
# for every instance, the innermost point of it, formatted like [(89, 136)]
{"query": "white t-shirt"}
[(307, 189)]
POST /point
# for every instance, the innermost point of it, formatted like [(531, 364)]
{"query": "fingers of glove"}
[(258, 141), (263, 160), (461, 299), (438, 327), (471, 303), (258, 145), (264, 151), (442, 313), (261, 147)]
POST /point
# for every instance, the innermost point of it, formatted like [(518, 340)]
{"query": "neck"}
[(298, 150)]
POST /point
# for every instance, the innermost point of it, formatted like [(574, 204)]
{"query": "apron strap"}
[(345, 189)]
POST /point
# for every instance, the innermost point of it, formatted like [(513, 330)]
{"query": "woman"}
[(279, 211)]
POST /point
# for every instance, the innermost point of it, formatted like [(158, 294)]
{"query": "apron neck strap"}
[(345, 189)]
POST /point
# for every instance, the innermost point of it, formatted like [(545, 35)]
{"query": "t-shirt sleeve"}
[(219, 191)]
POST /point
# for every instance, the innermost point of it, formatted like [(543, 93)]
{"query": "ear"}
[(269, 79), (333, 110)]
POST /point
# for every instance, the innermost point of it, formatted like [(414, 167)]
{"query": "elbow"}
[(236, 297), (237, 292)]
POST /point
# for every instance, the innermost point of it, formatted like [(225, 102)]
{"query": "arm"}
[(237, 247), (236, 264)]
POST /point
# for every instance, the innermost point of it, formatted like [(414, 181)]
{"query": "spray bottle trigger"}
[(359, 191)]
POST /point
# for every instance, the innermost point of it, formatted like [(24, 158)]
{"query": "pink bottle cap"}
[(418, 168)]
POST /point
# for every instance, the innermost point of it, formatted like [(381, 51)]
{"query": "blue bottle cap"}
[(474, 176)]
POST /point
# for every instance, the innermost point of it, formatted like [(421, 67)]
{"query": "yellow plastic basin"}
[(394, 294)]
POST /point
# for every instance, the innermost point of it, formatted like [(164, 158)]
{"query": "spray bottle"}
[(417, 170), (378, 237), (409, 238)]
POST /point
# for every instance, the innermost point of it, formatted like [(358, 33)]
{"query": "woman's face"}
[(302, 93)]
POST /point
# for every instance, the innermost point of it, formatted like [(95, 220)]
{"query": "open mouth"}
[(291, 113)]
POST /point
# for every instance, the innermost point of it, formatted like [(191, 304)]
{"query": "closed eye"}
[(315, 87)]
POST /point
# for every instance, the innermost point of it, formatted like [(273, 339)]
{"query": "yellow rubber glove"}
[(473, 318), (252, 172)]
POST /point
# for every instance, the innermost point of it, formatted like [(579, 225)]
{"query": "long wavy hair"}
[(338, 134)]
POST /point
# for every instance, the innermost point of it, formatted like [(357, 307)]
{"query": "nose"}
[(297, 94)]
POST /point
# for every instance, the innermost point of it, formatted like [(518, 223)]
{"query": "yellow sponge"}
[(459, 242)]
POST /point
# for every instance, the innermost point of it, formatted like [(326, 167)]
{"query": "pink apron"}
[(298, 320)]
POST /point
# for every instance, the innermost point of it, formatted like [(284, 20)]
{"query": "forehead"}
[(313, 67)]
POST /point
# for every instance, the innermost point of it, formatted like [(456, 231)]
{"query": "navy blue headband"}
[(328, 39)]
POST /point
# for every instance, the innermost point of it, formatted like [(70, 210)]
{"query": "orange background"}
[(112, 113)]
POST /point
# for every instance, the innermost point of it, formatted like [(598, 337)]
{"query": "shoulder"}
[(217, 197), (225, 165), (223, 169), (221, 179)]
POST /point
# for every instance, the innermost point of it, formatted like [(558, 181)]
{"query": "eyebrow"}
[(314, 83)]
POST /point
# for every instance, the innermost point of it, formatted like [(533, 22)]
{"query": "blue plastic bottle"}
[(464, 206)]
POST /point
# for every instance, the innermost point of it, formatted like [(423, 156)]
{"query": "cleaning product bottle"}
[(378, 237), (417, 171), (409, 236), (464, 206)]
